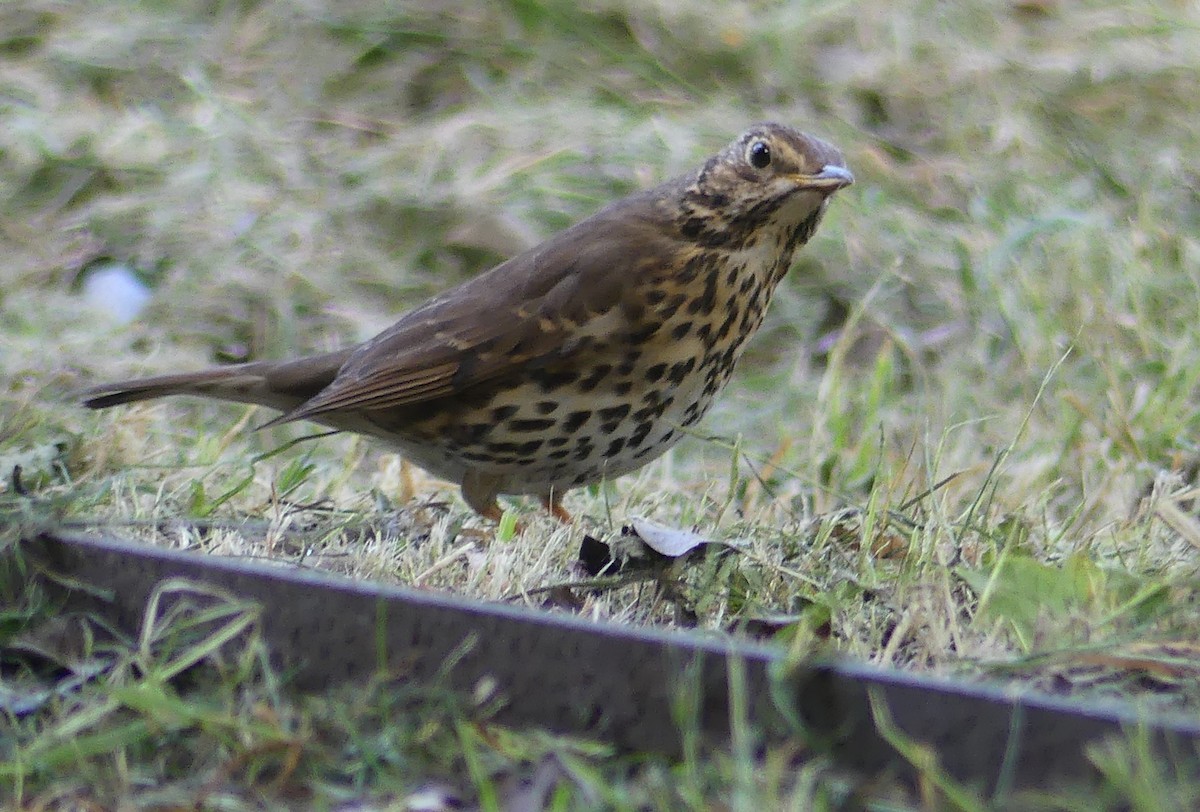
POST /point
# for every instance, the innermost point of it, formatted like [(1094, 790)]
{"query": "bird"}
[(574, 362)]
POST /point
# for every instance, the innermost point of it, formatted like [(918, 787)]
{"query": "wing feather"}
[(523, 312)]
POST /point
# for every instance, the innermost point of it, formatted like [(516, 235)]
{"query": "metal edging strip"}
[(620, 684)]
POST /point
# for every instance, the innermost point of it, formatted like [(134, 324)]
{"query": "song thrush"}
[(578, 360)]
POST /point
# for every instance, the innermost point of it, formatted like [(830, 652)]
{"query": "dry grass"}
[(1008, 295)]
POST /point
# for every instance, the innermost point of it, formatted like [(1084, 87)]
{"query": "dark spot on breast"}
[(525, 448), (622, 388), (575, 344), (531, 424), (614, 412), (546, 406), (645, 332), (502, 413), (549, 381), (656, 295), (614, 448), (693, 227), (749, 323), (708, 302), (681, 330), (806, 229), (574, 420), (727, 326), (640, 433), (680, 370), (629, 362), (654, 373), (653, 410), (583, 450), (561, 454), (473, 432), (598, 374), (557, 442)]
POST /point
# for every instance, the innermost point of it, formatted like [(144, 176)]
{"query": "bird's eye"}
[(760, 155)]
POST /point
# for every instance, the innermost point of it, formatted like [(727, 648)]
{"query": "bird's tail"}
[(280, 385)]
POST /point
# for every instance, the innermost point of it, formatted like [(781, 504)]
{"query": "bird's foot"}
[(553, 505)]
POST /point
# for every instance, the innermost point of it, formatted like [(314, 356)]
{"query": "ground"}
[(963, 442)]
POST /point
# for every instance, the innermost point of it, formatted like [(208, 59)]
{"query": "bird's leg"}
[(492, 512), (553, 503), (480, 491)]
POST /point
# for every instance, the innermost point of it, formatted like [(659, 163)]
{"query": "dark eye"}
[(760, 155)]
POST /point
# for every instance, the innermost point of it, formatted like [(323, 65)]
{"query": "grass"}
[(987, 357)]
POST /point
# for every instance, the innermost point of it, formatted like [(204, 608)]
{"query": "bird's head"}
[(771, 177)]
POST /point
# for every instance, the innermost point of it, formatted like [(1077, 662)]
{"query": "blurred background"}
[(1009, 292)]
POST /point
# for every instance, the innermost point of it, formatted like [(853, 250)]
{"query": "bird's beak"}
[(829, 179)]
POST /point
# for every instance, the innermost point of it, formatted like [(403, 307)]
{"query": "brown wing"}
[(528, 310)]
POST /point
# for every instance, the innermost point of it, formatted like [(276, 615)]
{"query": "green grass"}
[(1004, 306)]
